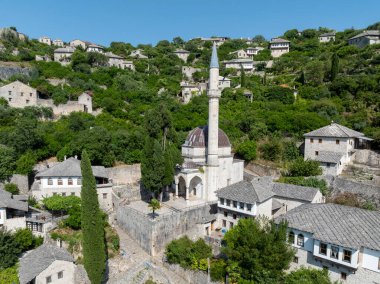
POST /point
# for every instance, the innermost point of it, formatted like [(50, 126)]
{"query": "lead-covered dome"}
[(198, 137)]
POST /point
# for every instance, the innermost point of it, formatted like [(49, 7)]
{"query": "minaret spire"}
[(213, 126)]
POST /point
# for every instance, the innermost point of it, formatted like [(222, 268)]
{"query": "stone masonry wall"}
[(8, 71), (125, 174), (367, 157), (191, 276)]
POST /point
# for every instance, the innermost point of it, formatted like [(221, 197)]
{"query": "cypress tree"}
[(94, 255), (334, 66), (242, 77)]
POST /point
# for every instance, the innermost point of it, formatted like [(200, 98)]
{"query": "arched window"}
[(300, 240), (291, 238)]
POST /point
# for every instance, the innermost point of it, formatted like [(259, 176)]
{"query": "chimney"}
[(64, 158), (76, 157)]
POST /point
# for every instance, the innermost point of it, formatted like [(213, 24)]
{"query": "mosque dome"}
[(198, 137)]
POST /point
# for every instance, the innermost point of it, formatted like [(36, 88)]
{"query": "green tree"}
[(334, 66), (304, 168), (242, 77), (12, 188), (26, 240), (247, 150), (154, 205), (9, 250), (259, 249), (9, 275), (7, 162), (308, 276), (94, 255), (25, 163)]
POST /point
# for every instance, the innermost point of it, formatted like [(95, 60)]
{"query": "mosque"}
[(208, 162)]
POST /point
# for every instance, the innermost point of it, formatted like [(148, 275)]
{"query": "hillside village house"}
[(246, 64), (333, 146), (217, 40), (94, 48), (45, 40), (327, 37), (63, 55), (279, 46), (251, 51), (119, 61), (182, 54), (65, 178), (50, 264), (138, 53), (188, 71), (16, 214), (241, 53), (261, 197), (58, 42), (341, 239), (224, 82), (18, 94), (365, 38), (189, 90), (45, 58), (77, 42)]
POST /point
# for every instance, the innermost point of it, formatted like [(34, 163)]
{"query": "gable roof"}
[(367, 33), (7, 201), (18, 83), (181, 51), (328, 157), (37, 260), (279, 40), (67, 49), (327, 34), (292, 191), (71, 168), (346, 226), (334, 130)]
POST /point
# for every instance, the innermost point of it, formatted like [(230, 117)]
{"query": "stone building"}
[(63, 55), (224, 82), (333, 146), (94, 48), (45, 40), (208, 162), (50, 264), (138, 53), (251, 51), (327, 37), (18, 94), (341, 239), (65, 179), (45, 58), (261, 197), (279, 46), (58, 42), (119, 61), (188, 91), (188, 71), (241, 53), (77, 42), (365, 38), (246, 64), (182, 54)]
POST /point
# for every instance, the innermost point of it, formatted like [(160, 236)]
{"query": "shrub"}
[(271, 150), (247, 150), (12, 188), (303, 168), (218, 270)]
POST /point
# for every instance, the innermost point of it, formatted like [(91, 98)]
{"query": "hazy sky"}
[(148, 21)]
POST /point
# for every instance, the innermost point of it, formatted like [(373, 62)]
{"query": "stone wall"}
[(154, 234), (8, 71), (23, 183), (263, 170), (190, 276), (125, 174), (367, 157)]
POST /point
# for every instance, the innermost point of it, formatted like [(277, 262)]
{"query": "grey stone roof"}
[(334, 130), (198, 137), (6, 201), (292, 191), (276, 204), (328, 157), (279, 40), (112, 55), (367, 33), (181, 51), (263, 188), (67, 49), (337, 224), (327, 34), (71, 168), (37, 260), (239, 60)]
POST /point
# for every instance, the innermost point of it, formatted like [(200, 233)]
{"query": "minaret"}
[(213, 127)]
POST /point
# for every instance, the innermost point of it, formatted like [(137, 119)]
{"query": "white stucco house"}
[(365, 38), (63, 55), (279, 46), (45, 40), (341, 239), (77, 42), (58, 42), (241, 53), (50, 264), (245, 63), (94, 48), (333, 146), (182, 54), (119, 61), (327, 37), (224, 82), (65, 178), (261, 197), (251, 51)]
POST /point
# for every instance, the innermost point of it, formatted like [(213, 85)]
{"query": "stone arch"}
[(196, 187), (181, 187)]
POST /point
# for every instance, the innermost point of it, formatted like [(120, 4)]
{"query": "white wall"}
[(371, 259), (18, 94), (3, 215), (265, 208), (308, 240), (67, 267), (13, 224)]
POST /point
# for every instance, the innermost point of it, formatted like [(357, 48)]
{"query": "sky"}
[(149, 21)]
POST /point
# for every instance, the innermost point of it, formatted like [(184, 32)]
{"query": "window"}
[(48, 279), (63, 194), (10, 93), (79, 181), (228, 202), (343, 275), (231, 225), (334, 252), (249, 207), (224, 223), (337, 141), (323, 248), (347, 255), (73, 193), (50, 181), (328, 165), (241, 205), (60, 275), (70, 181), (104, 195), (311, 140), (22, 94), (319, 140), (235, 204), (30, 94), (225, 214), (60, 182), (234, 216), (9, 99), (27, 101), (300, 240), (54, 193), (222, 201), (316, 153), (295, 259), (291, 238)]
